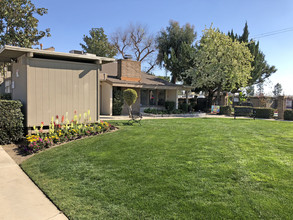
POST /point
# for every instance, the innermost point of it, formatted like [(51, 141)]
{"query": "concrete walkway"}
[(20, 198)]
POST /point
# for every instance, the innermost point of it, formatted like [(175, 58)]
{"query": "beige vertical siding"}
[(171, 95), (20, 83), (106, 98), (56, 87)]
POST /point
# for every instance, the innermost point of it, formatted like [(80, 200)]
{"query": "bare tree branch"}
[(136, 41)]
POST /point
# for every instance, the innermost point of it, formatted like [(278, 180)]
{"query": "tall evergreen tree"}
[(277, 89), (176, 50), (261, 70), (97, 43)]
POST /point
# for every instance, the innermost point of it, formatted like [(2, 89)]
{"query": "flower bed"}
[(63, 132)]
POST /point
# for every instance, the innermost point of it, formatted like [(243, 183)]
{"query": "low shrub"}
[(5, 96), (63, 132), (183, 107), (243, 111), (264, 112), (11, 121), (118, 102), (288, 115), (160, 112), (170, 106), (225, 110)]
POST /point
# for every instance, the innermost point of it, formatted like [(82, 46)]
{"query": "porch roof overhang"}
[(8, 53), (147, 86)]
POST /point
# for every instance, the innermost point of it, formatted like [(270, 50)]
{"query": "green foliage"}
[(184, 107), (225, 110), (278, 89), (170, 106), (176, 50), (167, 78), (242, 97), (250, 90), (243, 111), (221, 64), (288, 115), (264, 112), (118, 102), (5, 96), (62, 132), (260, 89), (97, 43), (260, 69), (161, 112), (129, 96), (11, 121), (18, 24)]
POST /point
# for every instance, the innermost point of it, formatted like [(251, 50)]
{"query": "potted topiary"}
[(130, 96)]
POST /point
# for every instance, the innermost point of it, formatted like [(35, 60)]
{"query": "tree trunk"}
[(173, 79), (219, 95), (130, 111)]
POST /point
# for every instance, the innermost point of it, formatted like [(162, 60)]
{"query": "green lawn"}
[(173, 169)]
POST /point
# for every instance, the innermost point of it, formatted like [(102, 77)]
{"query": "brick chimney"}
[(129, 70)]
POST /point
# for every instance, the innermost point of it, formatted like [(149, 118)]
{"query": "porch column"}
[(186, 94), (99, 68)]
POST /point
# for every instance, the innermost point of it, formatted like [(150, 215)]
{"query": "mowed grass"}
[(173, 169)]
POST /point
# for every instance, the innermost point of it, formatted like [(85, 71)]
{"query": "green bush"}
[(11, 121), (243, 110), (118, 102), (288, 115), (264, 112), (170, 106), (5, 96), (183, 107), (129, 96), (225, 110)]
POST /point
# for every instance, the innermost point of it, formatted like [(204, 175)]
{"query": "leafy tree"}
[(220, 64), (250, 90), (97, 43), (118, 101), (176, 50), (18, 24), (136, 41), (130, 96), (167, 78), (277, 89), (261, 70), (260, 89)]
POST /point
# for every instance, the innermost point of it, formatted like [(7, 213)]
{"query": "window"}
[(153, 97), (144, 97), (161, 97)]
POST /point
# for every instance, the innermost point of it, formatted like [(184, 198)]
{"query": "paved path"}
[(20, 198)]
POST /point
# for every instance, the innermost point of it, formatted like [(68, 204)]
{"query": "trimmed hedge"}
[(183, 107), (288, 115), (243, 110), (170, 106), (5, 96), (264, 112), (11, 121), (225, 110)]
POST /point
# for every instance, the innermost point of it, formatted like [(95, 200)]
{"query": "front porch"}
[(148, 97)]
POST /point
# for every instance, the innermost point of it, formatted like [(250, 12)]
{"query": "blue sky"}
[(70, 20)]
